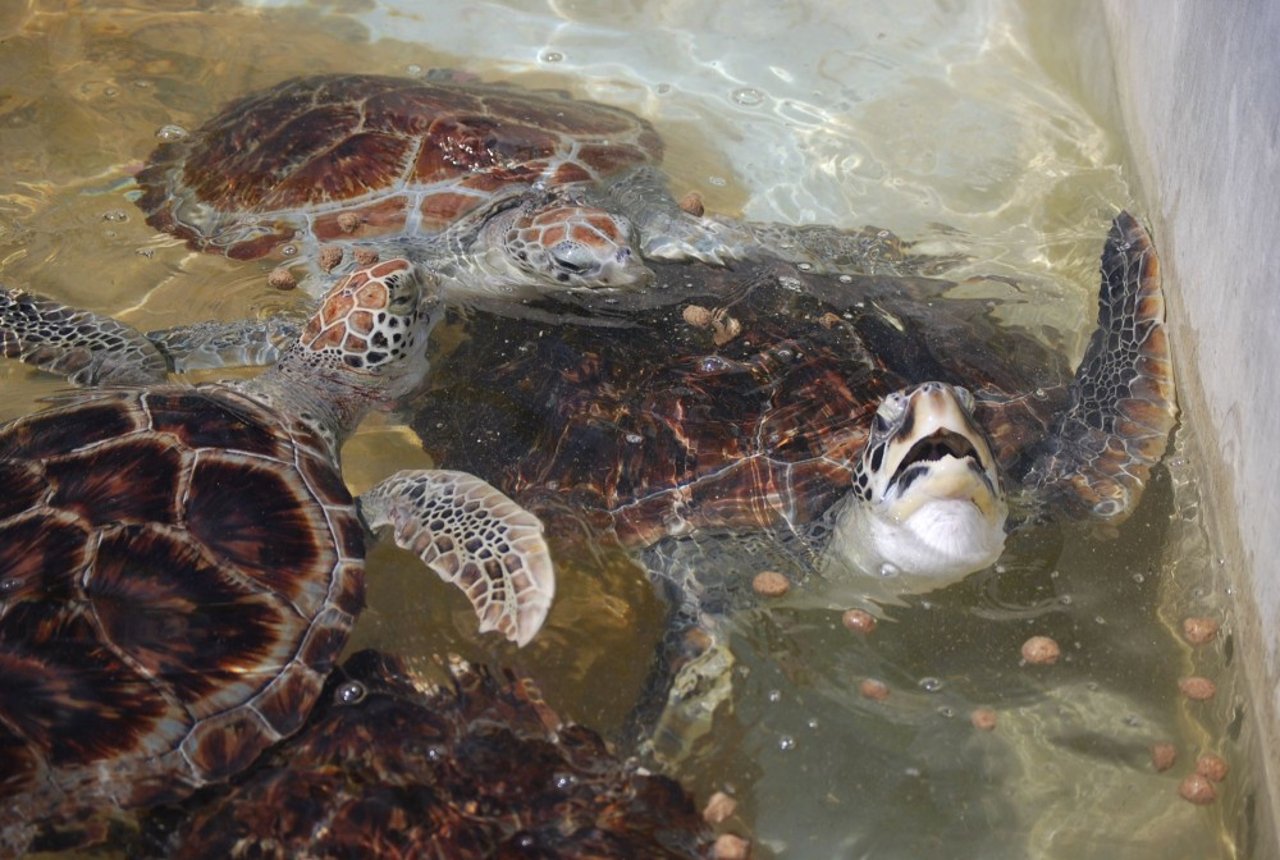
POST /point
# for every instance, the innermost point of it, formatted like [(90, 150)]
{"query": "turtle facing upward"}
[(182, 564), (875, 420), (504, 191)]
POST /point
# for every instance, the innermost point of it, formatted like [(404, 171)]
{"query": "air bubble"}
[(717, 181), (748, 96), (888, 570), (170, 133), (775, 695), (116, 215), (413, 70), (805, 267), (552, 57), (786, 743), (930, 685), (845, 279), (351, 693), (634, 438), (289, 250), (564, 781)]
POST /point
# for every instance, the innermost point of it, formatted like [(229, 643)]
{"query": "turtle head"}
[(568, 245), (370, 331), (927, 506)]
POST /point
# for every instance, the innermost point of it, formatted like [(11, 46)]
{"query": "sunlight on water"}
[(932, 119)]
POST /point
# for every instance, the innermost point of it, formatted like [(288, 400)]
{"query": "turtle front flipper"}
[(85, 347), (1123, 405), (208, 345), (475, 537)]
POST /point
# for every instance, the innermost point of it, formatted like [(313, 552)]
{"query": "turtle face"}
[(374, 325), (928, 503), (574, 247)]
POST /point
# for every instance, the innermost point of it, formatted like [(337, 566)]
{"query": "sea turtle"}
[(479, 768), (502, 190), (875, 421), (182, 564)]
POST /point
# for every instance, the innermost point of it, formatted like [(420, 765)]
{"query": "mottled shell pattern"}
[(358, 157), (180, 569), (481, 768)]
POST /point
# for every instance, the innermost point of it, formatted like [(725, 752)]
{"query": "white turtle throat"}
[(927, 508)]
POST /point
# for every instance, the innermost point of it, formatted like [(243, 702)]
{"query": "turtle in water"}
[(502, 190), (182, 564), (876, 424), (479, 768)]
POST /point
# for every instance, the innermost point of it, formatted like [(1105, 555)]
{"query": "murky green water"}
[(933, 119)]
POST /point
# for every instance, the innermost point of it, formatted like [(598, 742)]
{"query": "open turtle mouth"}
[(931, 449)]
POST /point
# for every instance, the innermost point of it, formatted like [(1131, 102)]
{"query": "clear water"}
[(931, 118)]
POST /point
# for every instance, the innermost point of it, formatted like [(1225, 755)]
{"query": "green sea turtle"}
[(875, 421), (479, 768), (180, 565), (504, 191)]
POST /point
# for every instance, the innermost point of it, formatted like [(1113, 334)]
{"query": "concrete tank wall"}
[(1195, 86)]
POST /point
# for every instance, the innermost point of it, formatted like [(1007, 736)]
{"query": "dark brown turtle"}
[(180, 565), (835, 409), (505, 191), (480, 769)]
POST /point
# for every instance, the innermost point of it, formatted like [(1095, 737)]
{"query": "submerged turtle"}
[(482, 768), (874, 419), (182, 564), (502, 190)]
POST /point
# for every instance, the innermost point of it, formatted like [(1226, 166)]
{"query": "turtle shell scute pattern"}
[(335, 157), (665, 430), (168, 570), (481, 767)]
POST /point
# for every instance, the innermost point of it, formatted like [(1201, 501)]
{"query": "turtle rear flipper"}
[(87, 348), (475, 537), (1122, 399)]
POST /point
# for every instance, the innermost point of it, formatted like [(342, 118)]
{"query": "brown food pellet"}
[(348, 222), (365, 256), (1197, 790), (1197, 688), (730, 847), (725, 329), (858, 620), (719, 809), (330, 257), (282, 279), (692, 203), (1199, 630), (983, 719), (1163, 755), (1212, 767), (697, 316), (829, 320), (1041, 651), (770, 583), (875, 690)]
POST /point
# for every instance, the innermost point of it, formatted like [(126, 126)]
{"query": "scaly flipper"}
[(1122, 400), (475, 537), (87, 348), (207, 345)]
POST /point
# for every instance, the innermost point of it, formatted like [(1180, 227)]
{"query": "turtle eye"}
[(573, 257), (964, 396), (889, 411)]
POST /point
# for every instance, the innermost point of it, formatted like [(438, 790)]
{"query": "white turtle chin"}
[(939, 542)]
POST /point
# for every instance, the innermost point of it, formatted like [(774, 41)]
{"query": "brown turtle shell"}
[(178, 571), (742, 407), (359, 156), (482, 768)]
